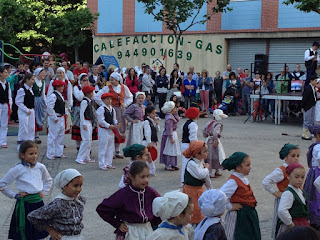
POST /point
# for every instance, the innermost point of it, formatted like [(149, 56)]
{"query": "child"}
[(298, 233), (135, 152), (196, 174), (107, 123), (175, 210), (150, 133), (88, 120), (290, 154), (25, 103), (213, 204), (309, 99), (129, 210), (203, 113), (62, 218), (56, 110), (181, 110), (242, 203), (215, 104), (212, 131), (135, 114), (169, 143), (189, 133), (148, 101), (293, 207), (313, 173), (33, 181), (5, 106), (256, 105)]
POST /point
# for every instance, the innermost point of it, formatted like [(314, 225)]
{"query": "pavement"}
[(261, 140)]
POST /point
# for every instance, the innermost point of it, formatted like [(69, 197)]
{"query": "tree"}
[(305, 5), (176, 12)]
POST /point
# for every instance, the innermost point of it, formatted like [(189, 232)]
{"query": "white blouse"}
[(39, 84), (273, 178), (101, 119), (197, 170), (147, 129), (51, 101), (69, 93), (128, 97), (316, 156), (29, 180), (9, 92), (20, 98), (193, 131)]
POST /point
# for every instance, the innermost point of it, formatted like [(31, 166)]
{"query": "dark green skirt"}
[(247, 227)]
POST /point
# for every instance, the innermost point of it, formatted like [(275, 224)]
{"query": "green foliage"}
[(305, 5)]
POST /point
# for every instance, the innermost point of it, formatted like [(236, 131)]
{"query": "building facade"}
[(252, 27)]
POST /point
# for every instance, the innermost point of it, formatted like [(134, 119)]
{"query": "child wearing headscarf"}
[(196, 175), (241, 201), (212, 131), (313, 158), (135, 152), (213, 204), (175, 210), (189, 133), (170, 149), (293, 207), (62, 217), (290, 154), (135, 114)]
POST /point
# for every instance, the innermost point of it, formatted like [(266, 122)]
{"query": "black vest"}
[(59, 106), (4, 94), (28, 98), (190, 180), (108, 116), (185, 132), (311, 64), (89, 113), (154, 132)]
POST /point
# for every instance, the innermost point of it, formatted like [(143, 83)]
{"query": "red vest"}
[(243, 194), (285, 182), (117, 98)]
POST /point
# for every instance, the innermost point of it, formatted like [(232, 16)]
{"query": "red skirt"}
[(76, 134), (300, 222)]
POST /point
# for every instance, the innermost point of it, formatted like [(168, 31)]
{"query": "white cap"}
[(115, 75), (212, 202), (218, 114), (65, 176), (168, 106)]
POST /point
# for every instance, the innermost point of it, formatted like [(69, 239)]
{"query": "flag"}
[(164, 55)]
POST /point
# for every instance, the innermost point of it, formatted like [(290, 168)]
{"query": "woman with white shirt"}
[(147, 81), (38, 89), (293, 207)]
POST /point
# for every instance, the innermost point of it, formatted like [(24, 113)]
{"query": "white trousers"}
[(184, 160), (85, 147), (106, 147), (55, 137), (26, 125), (3, 123)]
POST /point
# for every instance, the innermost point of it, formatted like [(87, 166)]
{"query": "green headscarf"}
[(234, 160), (133, 150), (285, 150)]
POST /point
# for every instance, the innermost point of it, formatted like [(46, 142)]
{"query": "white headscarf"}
[(168, 106), (140, 93), (64, 177), (80, 76), (218, 114), (212, 203), (61, 69), (115, 75), (170, 205), (37, 71)]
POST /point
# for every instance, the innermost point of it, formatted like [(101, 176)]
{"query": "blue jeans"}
[(246, 102)]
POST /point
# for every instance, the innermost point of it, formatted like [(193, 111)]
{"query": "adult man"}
[(311, 58), (240, 74), (147, 81), (194, 75), (180, 73), (69, 74), (121, 98), (298, 80), (225, 76), (79, 69), (49, 71), (282, 82), (246, 89)]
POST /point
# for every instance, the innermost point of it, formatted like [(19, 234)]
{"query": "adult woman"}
[(204, 84), (174, 85), (95, 79), (162, 83), (121, 98), (39, 101), (132, 81), (190, 86), (67, 94), (233, 87)]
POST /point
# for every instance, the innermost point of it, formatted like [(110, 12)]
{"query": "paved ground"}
[(261, 140)]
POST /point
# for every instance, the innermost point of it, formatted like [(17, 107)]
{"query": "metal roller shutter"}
[(241, 52), (288, 51)]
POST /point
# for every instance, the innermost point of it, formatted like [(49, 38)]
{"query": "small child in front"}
[(213, 204), (242, 203), (129, 210), (88, 120), (290, 154), (107, 120), (62, 218), (56, 110), (293, 207), (33, 181), (175, 210), (196, 175)]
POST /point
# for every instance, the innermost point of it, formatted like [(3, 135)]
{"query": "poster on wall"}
[(156, 64)]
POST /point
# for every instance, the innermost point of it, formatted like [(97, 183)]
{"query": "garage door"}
[(289, 51), (241, 52)]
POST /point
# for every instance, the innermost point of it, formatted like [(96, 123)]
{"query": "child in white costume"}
[(107, 122), (175, 210), (56, 110)]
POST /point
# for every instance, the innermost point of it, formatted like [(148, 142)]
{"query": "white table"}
[(278, 97)]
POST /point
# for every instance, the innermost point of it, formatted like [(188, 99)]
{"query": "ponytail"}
[(26, 77)]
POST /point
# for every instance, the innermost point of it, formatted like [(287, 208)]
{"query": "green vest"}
[(298, 209), (190, 180), (36, 90)]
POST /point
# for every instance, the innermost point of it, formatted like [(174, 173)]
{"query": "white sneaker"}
[(104, 168), (51, 158), (81, 162), (90, 160)]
